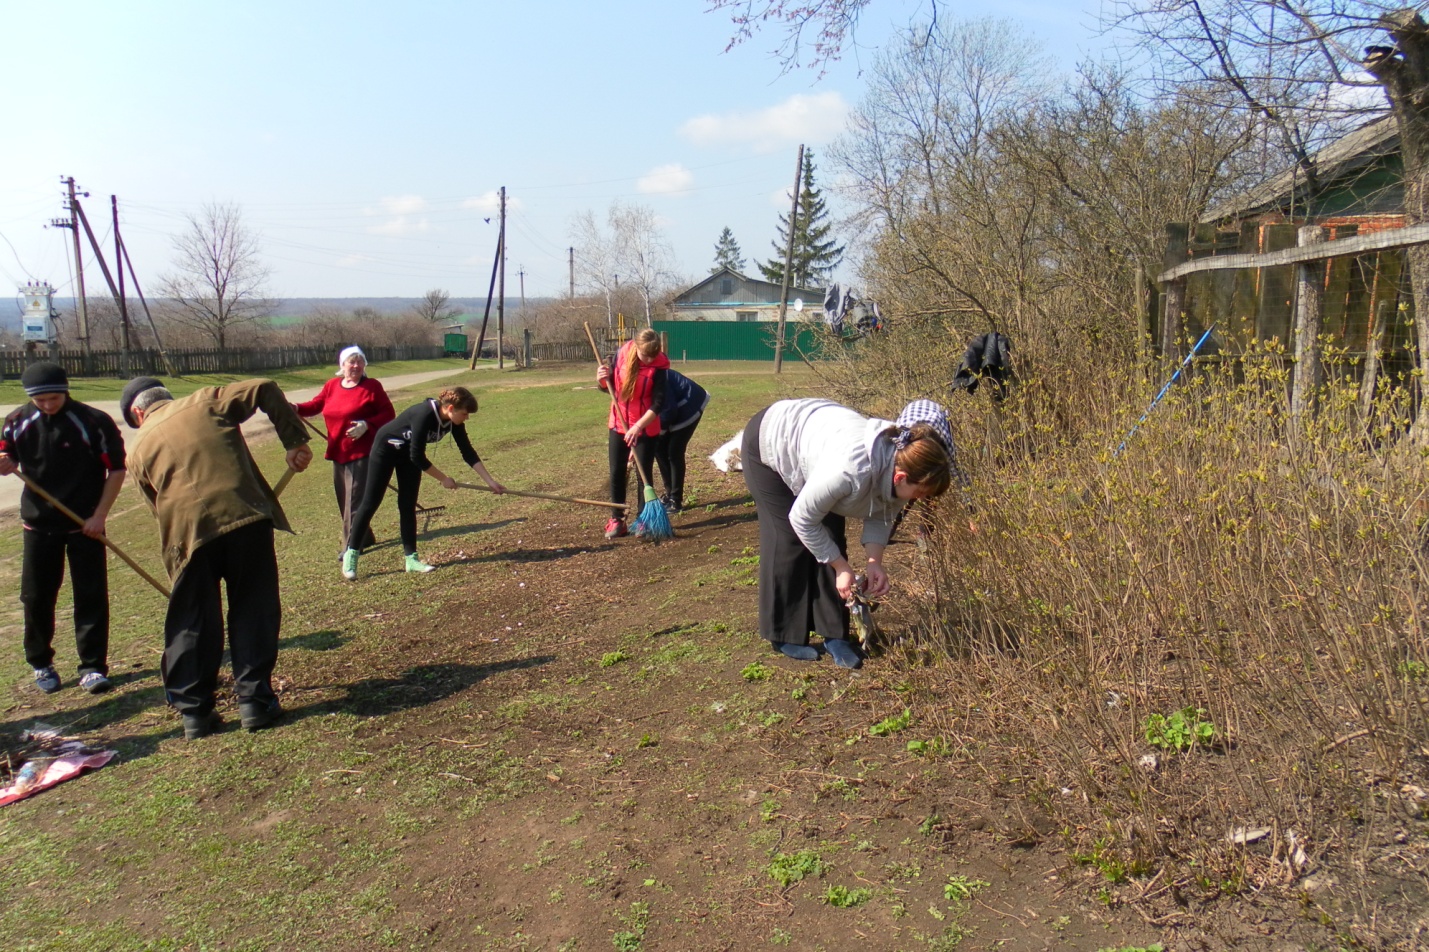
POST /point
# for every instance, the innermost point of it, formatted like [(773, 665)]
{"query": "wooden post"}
[(1309, 311), (1171, 318), (1373, 347), (1178, 243)]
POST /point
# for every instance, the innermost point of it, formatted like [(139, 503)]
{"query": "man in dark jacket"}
[(216, 519), (75, 453)]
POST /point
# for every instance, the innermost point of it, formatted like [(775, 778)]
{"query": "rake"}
[(40, 491)]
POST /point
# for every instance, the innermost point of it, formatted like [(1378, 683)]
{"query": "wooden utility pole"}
[(788, 266), (501, 293), (119, 266), (83, 219), (80, 308), (486, 315), (571, 265), (126, 261)]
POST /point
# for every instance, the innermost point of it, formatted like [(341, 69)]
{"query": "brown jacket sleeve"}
[(237, 402)]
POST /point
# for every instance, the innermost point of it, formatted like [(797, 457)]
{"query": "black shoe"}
[(256, 715), (669, 503), (201, 725)]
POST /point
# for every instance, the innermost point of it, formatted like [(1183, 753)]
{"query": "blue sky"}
[(365, 141)]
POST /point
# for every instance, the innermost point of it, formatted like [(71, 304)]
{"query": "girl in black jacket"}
[(400, 449)]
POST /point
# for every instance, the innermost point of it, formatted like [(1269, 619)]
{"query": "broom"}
[(654, 522)]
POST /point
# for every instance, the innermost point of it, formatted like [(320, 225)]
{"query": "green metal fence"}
[(734, 340)]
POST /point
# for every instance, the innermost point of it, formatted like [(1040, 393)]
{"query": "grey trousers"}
[(349, 481)]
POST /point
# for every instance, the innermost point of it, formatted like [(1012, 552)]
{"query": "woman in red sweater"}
[(639, 380), (354, 407)]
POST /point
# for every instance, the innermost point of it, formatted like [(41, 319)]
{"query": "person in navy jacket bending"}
[(685, 403)]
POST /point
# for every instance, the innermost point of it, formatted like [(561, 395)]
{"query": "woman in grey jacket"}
[(810, 464)]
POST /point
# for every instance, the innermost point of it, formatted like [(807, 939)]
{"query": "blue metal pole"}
[(1174, 377)]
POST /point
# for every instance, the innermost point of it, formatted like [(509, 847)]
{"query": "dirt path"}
[(255, 430)]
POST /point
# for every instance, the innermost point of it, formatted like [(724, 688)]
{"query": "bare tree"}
[(813, 30), (435, 307), (642, 251), (631, 246), (218, 281), (597, 260), (990, 201)]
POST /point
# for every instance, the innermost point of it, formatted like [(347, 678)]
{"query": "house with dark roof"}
[(728, 295)]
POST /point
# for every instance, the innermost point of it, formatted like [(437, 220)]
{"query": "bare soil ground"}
[(554, 742)]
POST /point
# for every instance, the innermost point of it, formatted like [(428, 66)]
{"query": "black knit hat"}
[(132, 389), (44, 377)]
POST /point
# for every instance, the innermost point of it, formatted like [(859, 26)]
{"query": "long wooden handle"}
[(593, 349), (531, 495), (284, 480), (614, 405), (40, 491)]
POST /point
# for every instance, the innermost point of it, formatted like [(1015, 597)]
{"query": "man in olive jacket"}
[(216, 517)]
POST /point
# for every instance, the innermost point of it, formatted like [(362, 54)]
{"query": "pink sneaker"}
[(615, 528)]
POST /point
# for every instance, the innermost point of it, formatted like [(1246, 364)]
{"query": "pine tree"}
[(815, 253), (727, 253)]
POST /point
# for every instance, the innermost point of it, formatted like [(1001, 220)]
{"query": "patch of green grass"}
[(789, 868), (934, 747), (612, 658), (1104, 858), (636, 921), (892, 725), (756, 671), (1179, 730), (961, 889), (841, 897)]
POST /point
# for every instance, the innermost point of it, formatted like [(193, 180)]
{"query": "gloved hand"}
[(357, 429)]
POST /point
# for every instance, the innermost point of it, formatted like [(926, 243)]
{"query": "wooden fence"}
[(113, 363), (1309, 260)]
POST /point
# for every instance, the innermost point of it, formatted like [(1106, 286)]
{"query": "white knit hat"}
[(346, 353)]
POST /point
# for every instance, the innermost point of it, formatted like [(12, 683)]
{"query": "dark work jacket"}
[(684, 401), (70, 454), (990, 356), (418, 425)]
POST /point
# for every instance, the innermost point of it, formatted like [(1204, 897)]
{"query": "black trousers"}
[(42, 571), (797, 594), (670, 448), (382, 465), (243, 560), (619, 468)]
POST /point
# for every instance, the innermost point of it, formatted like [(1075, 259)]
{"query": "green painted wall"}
[(733, 340)]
